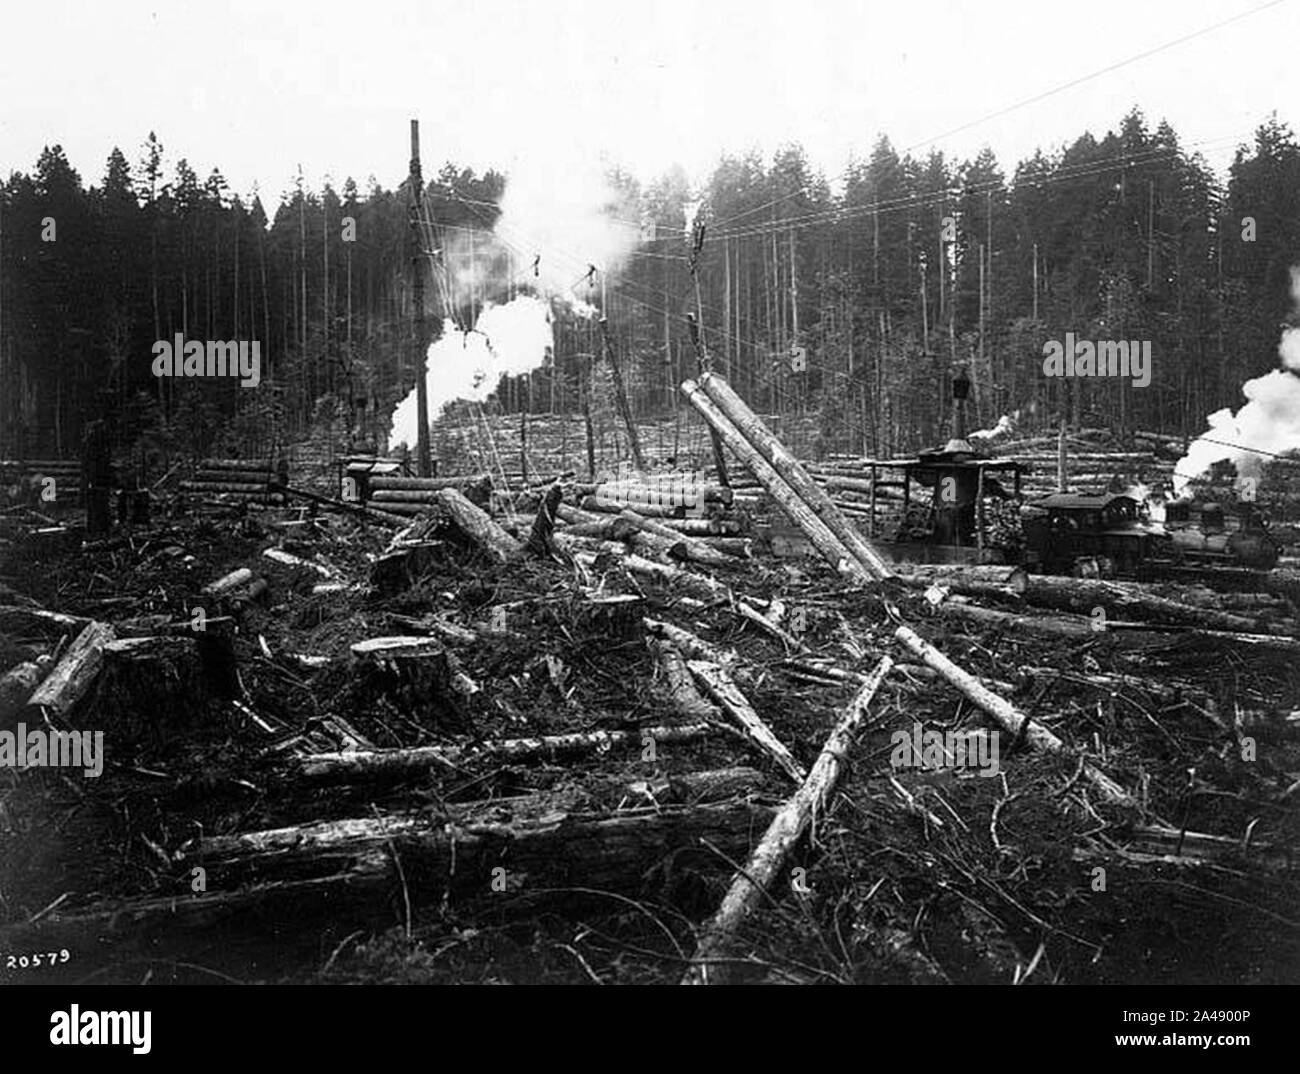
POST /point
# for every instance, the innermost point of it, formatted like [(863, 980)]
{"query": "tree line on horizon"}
[(848, 298)]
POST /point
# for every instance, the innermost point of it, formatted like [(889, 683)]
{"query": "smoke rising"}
[(1269, 423), (509, 339)]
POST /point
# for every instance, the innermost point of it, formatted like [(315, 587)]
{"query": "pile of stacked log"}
[(397, 495), (253, 481), (22, 480)]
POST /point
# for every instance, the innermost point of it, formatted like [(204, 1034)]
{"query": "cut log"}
[(720, 686), (288, 559), (428, 484), (785, 831), (348, 872), (1125, 600), (475, 523), (785, 464), (1052, 626), (1006, 714), (613, 506), (233, 487), (73, 675), (678, 686), (16, 686), (697, 585), (677, 545), (690, 645), (22, 621), (359, 766), (825, 541)]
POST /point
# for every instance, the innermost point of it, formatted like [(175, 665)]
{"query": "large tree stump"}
[(149, 688), (414, 674), (477, 525)]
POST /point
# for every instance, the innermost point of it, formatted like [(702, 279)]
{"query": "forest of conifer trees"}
[(886, 277)]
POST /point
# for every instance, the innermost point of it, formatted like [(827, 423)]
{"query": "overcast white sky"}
[(258, 87)]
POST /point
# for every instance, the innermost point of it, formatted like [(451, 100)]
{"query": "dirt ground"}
[(909, 875)]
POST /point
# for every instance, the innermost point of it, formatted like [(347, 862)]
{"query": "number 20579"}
[(40, 958)]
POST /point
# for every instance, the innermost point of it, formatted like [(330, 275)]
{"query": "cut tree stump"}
[(785, 831), (414, 673), (149, 688), (615, 618)]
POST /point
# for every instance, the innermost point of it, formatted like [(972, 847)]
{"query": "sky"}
[(259, 88)]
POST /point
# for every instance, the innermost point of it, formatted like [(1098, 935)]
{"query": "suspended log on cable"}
[(826, 542), (475, 523), (785, 464), (783, 834), (1006, 714)]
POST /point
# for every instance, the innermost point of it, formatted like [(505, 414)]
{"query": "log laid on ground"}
[(349, 871), (610, 506), (478, 526), (237, 588), (1052, 626), (785, 464), (691, 645), (17, 685), (357, 766), (719, 685), (288, 559), (259, 465), (1006, 714), (350, 508), (225, 486), (427, 484), (679, 545), (785, 831), (703, 527), (823, 539), (588, 553), (21, 620), (679, 688), (1127, 599), (73, 675)]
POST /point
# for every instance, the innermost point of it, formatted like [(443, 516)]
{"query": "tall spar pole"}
[(423, 462)]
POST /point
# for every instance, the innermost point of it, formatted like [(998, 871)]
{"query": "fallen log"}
[(817, 531), (677, 545), (678, 686), (357, 766), (698, 585), (785, 464), (785, 831), (690, 645), (1083, 594), (427, 484), (613, 506), (17, 685), (348, 871), (73, 675), (288, 559), (720, 686), (1006, 714), (21, 621), (476, 524), (235, 487)]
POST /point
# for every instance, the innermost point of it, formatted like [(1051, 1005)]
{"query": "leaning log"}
[(785, 831), (785, 464), (817, 531), (478, 526), (73, 675), (1006, 714)]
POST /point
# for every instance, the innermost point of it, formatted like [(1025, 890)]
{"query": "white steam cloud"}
[(510, 339), (1269, 423), (554, 227)]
